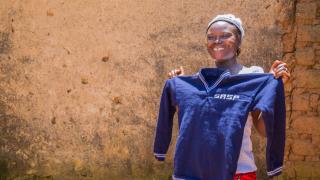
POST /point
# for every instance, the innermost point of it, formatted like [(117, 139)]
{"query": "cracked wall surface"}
[(80, 81), (301, 50)]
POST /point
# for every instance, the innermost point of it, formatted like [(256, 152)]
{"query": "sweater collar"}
[(220, 73)]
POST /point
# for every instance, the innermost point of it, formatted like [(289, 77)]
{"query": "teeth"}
[(218, 49)]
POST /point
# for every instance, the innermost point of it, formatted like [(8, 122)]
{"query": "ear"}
[(238, 51), (238, 36), (205, 41)]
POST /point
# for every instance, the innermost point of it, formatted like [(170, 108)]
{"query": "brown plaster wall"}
[(80, 81)]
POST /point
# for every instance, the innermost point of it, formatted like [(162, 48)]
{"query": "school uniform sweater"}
[(213, 109)]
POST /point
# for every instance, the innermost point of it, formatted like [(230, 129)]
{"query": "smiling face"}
[(223, 41)]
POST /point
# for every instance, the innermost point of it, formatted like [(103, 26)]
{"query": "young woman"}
[(224, 36)]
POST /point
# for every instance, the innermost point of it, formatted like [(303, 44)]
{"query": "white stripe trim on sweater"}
[(217, 81), (175, 178), (270, 173), (159, 155)]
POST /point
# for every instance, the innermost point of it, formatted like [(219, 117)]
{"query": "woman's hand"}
[(176, 72), (280, 69)]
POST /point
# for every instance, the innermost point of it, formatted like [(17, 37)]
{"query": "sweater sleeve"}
[(165, 121), (270, 99)]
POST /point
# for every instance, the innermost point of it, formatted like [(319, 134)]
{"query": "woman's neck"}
[(231, 64)]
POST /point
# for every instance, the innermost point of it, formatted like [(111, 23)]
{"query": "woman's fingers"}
[(176, 72), (284, 75), (181, 70), (281, 66), (173, 72), (280, 69), (275, 64)]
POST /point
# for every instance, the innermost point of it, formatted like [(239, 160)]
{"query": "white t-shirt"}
[(246, 160)]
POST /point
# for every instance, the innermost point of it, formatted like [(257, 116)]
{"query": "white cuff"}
[(275, 171), (160, 155)]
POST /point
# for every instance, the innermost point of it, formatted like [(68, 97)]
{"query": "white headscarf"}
[(230, 18)]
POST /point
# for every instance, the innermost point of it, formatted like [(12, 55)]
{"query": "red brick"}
[(308, 33), (312, 158), (303, 44), (306, 11), (294, 157), (288, 104), (316, 171), (309, 125), (292, 134), (300, 100), (317, 67), (305, 22), (288, 88), (316, 21), (312, 113), (288, 57), (314, 91), (314, 99), (306, 137), (316, 46), (306, 1), (316, 140), (288, 171), (305, 56), (303, 169), (307, 78), (288, 42)]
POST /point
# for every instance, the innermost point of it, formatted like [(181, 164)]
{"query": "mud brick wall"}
[(80, 81), (301, 47)]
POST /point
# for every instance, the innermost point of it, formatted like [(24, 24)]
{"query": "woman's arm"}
[(278, 69), (258, 122)]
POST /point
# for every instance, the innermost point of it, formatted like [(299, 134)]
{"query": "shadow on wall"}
[(5, 43)]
